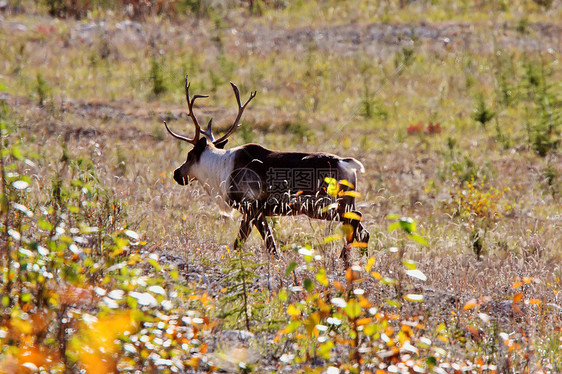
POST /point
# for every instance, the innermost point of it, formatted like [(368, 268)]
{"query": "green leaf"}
[(154, 264), (393, 303), (5, 300), (393, 216), (45, 225), (293, 326), (409, 264), (322, 278), (308, 285), (292, 266), (17, 153), (331, 238), (25, 297), (419, 239), (393, 226), (431, 361), (282, 295), (407, 224), (388, 281)]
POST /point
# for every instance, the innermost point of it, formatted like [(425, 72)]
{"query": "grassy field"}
[(453, 107)]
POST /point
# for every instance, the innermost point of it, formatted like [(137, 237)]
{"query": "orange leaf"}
[(205, 299), (352, 275), (474, 331), (359, 244), (30, 354), (517, 284), (346, 183), (470, 304), (535, 301), (203, 348), (338, 286), (363, 321), (517, 297)]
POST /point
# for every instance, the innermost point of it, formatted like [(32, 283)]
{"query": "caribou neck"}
[(213, 170)]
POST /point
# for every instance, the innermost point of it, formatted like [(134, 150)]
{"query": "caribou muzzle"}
[(182, 181)]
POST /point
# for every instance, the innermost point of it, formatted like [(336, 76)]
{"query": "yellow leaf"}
[(293, 311), (328, 207), (333, 186), (527, 279), (352, 215), (444, 339), (352, 193), (25, 327), (346, 183), (376, 275), (331, 238), (370, 263), (322, 278)]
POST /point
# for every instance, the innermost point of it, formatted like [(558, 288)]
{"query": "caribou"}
[(259, 182)]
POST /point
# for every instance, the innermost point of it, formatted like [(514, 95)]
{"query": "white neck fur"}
[(213, 171)]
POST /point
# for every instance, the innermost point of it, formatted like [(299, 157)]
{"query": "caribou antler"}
[(209, 132), (235, 125), (190, 102)]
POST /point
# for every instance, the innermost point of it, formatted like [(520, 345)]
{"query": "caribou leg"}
[(244, 232), (356, 233), (265, 231)]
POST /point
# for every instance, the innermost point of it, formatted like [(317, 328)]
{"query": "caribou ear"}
[(199, 148), (220, 145), (201, 143)]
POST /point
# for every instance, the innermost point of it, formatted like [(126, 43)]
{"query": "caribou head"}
[(191, 168)]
